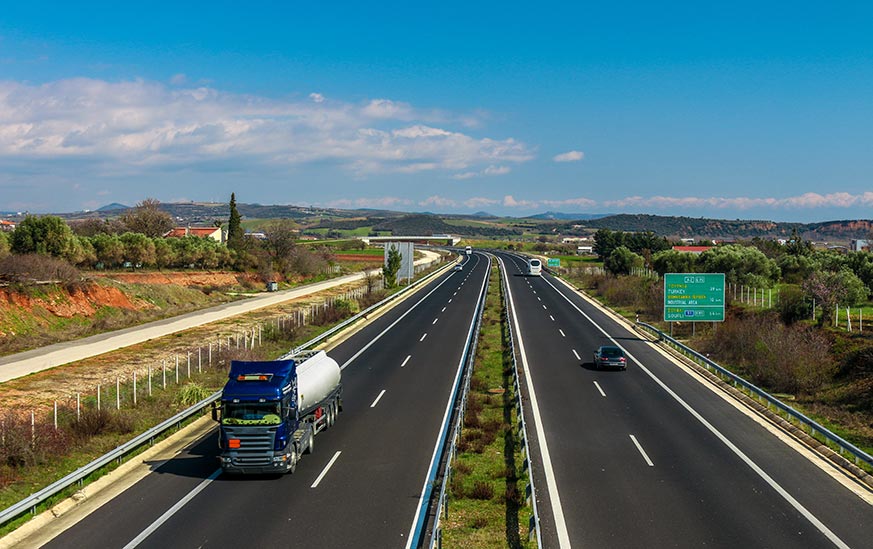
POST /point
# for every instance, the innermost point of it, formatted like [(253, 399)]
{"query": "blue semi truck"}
[(271, 411)]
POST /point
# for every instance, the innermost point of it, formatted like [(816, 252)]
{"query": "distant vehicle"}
[(469, 250), (459, 267), (609, 356), (534, 267)]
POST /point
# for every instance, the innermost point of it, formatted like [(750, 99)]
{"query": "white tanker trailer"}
[(272, 410)]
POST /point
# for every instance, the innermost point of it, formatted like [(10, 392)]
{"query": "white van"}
[(534, 267)]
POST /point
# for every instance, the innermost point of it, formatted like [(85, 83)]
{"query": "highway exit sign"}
[(554, 262), (694, 297)]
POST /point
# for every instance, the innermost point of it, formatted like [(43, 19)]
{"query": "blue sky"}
[(741, 110)]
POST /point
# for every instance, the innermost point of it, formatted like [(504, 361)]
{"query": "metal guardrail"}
[(461, 407), (31, 502), (815, 427)]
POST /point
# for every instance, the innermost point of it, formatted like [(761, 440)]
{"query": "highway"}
[(363, 484), (649, 457)]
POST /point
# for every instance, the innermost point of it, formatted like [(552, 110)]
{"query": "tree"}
[(138, 249), (622, 261), (740, 265), (281, 238), (235, 235), (108, 250), (604, 242), (390, 270), (831, 289), (148, 218), (47, 235), (4, 244), (672, 261)]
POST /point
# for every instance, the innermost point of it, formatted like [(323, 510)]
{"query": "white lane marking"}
[(454, 294), (553, 318), (443, 430), (172, 511), (326, 469), (444, 310), (450, 301), (643, 452), (599, 389), (405, 361), (434, 321), (385, 331), (544, 307), (562, 332), (539, 298), (820, 526), (577, 355), (422, 337), (551, 483), (378, 398)]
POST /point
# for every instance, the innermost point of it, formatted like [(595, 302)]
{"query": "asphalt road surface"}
[(362, 485), (649, 457)]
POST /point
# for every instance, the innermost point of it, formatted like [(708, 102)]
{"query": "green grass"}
[(486, 505)]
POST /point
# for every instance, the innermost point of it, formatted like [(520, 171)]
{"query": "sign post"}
[(694, 297)]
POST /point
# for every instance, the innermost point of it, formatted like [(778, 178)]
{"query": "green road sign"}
[(694, 297), (554, 262)]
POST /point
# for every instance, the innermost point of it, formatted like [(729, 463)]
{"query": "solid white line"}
[(733, 448), (375, 402), (551, 483), (577, 355), (422, 337), (434, 321), (562, 332), (172, 511), (643, 452), (385, 331), (405, 361), (326, 469), (599, 389)]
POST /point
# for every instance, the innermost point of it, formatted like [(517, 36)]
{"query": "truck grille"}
[(255, 445)]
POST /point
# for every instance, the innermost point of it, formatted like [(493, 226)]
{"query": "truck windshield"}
[(251, 413)]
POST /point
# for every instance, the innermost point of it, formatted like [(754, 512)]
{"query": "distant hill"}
[(566, 216), (483, 215), (114, 207), (415, 225)]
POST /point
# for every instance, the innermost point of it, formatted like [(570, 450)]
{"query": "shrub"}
[(190, 394), (482, 490)]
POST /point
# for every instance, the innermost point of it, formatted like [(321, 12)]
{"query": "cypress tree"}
[(234, 226)]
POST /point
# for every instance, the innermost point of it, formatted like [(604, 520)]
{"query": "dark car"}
[(609, 356)]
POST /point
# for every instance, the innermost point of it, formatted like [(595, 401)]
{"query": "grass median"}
[(486, 504)]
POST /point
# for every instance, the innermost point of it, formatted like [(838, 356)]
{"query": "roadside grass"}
[(486, 506)]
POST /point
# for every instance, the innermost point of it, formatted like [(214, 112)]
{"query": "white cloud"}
[(510, 202), (806, 200), (576, 202), (438, 201), (134, 126), (178, 79), (479, 202), (489, 171), (570, 156), (377, 202)]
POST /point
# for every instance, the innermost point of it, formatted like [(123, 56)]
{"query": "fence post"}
[(177, 369), (259, 334), (210, 351), (78, 406), (150, 380), (189, 364), (98, 396), (32, 429), (164, 374), (199, 360), (117, 392), (134, 388), (56, 415)]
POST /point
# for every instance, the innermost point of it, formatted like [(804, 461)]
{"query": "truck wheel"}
[(311, 443), (292, 461), (331, 418)]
